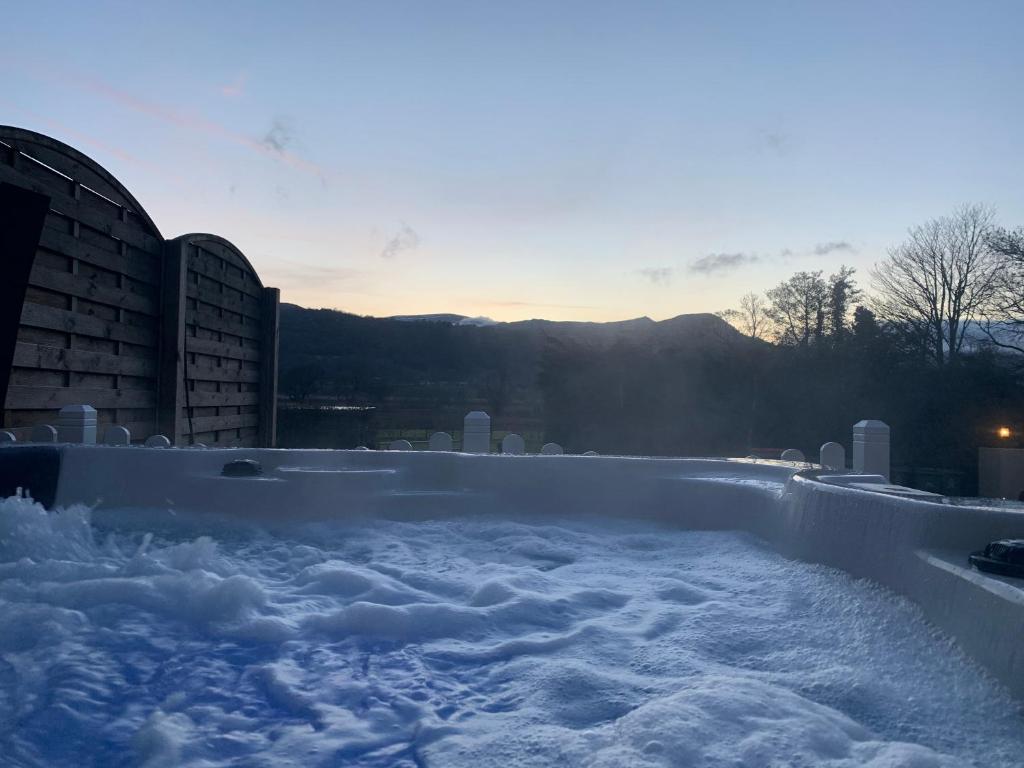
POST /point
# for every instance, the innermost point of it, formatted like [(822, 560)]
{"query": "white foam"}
[(163, 640)]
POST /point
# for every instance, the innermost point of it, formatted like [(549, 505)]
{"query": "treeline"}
[(932, 344), (933, 348), (756, 397)]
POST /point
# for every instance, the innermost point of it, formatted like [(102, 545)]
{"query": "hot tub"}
[(443, 609)]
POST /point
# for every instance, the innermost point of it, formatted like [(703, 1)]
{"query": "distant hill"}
[(439, 318), (452, 358)]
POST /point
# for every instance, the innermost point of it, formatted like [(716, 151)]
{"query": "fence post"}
[(476, 433), (171, 373), (871, 448), (270, 322)]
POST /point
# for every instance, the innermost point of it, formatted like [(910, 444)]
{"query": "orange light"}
[(1004, 432)]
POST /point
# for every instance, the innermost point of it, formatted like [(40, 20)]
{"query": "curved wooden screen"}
[(176, 337), (89, 330), (228, 365)]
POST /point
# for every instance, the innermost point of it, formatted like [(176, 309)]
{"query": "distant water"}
[(134, 640)]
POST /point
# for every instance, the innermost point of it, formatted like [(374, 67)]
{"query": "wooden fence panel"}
[(92, 299), (177, 337), (229, 361)]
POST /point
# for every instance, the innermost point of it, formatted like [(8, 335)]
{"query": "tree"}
[(1005, 324), (797, 308), (843, 293), (752, 316), (940, 279)]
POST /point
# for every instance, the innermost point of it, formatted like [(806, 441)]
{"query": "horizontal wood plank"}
[(243, 304), (217, 423), (143, 267), (27, 355), (57, 397), (39, 316), (69, 166), (207, 266), (66, 204), (205, 373), (82, 287), (205, 318), (221, 349), (222, 399)]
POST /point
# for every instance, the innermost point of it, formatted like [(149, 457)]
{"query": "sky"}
[(564, 160)]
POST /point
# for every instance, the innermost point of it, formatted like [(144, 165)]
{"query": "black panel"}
[(34, 468), (22, 213)]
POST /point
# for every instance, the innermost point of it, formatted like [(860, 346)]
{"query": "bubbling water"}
[(149, 638)]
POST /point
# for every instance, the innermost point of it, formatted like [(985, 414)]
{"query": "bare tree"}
[(940, 279), (752, 316), (797, 307), (1004, 325)]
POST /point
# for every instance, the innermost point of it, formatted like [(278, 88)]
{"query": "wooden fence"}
[(175, 337)]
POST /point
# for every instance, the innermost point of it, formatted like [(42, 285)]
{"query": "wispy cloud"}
[(405, 239), (279, 136), (235, 88), (65, 130), (292, 274), (198, 124), (778, 143), (833, 246), (539, 304), (714, 263), (657, 275)]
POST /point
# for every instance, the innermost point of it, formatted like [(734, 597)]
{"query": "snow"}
[(134, 637)]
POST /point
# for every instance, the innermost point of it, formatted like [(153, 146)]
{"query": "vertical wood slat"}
[(270, 326), (171, 380)]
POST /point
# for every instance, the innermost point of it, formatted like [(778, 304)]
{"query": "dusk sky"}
[(566, 160)]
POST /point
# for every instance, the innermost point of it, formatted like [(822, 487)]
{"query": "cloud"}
[(273, 145), (538, 304), (278, 137), (833, 246), (405, 239), (721, 262), (292, 274), (235, 88), (779, 143), (657, 275)]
